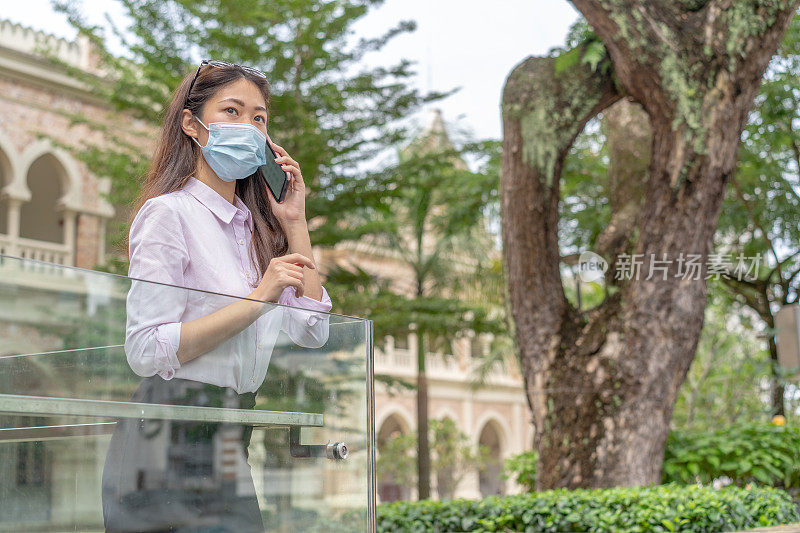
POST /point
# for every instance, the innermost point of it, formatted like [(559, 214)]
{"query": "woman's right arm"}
[(206, 333), (156, 341), (157, 254)]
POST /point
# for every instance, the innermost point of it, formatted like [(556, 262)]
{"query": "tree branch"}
[(754, 217)]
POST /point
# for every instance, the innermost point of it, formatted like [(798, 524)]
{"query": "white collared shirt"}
[(195, 238)]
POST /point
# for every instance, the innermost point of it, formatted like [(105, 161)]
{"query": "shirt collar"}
[(222, 208)]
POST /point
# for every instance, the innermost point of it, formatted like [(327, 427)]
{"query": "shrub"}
[(764, 453), (522, 469), (768, 454), (670, 507)]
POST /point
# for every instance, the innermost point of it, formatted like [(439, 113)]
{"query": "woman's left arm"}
[(291, 213), (308, 326), (300, 242)]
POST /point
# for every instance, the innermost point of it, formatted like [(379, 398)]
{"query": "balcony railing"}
[(49, 252), (463, 368)]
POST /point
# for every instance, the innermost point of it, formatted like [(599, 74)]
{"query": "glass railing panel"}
[(88, 435)]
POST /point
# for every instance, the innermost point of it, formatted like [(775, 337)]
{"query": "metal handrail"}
[(48, 406)]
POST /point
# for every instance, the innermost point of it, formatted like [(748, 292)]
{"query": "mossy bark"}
[(602, 383), (628, 138)]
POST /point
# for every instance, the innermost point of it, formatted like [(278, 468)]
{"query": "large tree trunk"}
[(603, 383)]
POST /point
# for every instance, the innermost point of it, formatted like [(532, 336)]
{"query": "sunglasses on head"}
[(215, 63)]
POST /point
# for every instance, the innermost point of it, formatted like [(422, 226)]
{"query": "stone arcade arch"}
[(447, 477), (491, 436), (44, 198), (393, 426), (41, 218)]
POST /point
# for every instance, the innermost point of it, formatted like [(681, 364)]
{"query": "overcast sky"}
[(466, 43)]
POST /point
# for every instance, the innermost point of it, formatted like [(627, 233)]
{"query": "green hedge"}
[(765, 453), (669, 507)]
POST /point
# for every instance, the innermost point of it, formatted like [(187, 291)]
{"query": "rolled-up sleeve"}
[(157, 253), (305, 321)]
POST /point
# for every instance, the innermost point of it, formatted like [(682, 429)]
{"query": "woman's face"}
[(240, 101)]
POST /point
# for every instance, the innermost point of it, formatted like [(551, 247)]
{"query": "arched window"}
[(489, 478), (391, 486), (40, 218), (449, 470)]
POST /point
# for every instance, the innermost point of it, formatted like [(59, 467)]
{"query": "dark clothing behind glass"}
[(172, 475)]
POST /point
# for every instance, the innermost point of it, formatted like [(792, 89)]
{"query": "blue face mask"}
[(234, 151)]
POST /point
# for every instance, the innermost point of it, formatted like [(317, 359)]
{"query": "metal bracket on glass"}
[(332, 450)]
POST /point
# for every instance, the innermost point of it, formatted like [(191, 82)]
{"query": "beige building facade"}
[(51, 206), (52, 209)]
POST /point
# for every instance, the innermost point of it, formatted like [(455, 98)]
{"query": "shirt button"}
[(241, 241)]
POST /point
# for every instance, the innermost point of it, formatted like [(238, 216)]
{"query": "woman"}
[(205, 220)]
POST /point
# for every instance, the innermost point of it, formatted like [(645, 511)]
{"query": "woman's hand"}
[(282, 272), (293, 207)]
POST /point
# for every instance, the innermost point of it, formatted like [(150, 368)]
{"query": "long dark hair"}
[(176, 157)]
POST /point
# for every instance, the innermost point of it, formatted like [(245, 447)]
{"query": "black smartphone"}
[(276, 178)]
